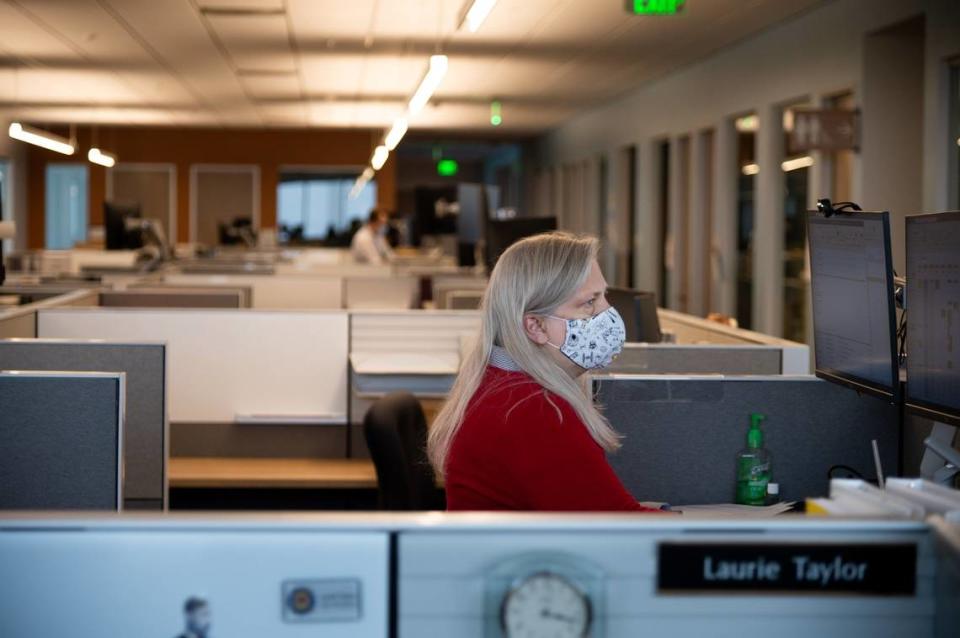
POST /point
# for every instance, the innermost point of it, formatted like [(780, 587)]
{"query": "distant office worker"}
[(519, 431), (369, 244)]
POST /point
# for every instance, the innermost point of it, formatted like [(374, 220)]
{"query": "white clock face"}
[(545, 605)]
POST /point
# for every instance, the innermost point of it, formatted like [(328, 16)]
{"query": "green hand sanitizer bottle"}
[(753, 466)]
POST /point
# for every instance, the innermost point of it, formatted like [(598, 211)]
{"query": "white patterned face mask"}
[(594, 342)]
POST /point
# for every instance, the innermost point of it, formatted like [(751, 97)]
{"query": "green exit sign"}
[(447, 167), (655, 7)]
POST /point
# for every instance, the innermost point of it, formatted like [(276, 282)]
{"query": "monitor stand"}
[(941, 461)]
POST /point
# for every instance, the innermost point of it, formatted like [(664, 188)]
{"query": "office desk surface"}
[(272, 472)]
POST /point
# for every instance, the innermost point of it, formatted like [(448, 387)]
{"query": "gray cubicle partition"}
[(61, 436), (672, 358), (146, 436), (172, 298), (681, 434)]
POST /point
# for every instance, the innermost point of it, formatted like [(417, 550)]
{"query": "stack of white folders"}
[(902, 498)]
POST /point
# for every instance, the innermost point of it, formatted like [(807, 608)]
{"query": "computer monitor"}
[(639, 312), (117, 236), (854, 316), (500, 234), (933, 316)]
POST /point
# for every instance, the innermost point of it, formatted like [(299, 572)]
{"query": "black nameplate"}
[(888, 569)]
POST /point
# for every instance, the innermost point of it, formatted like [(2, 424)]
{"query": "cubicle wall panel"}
[(60, 441), (172, 298), (145, 430), (277, 292), (681, 435), (18, 326), (693, 359), (135, 582), (233, 366), (453, 581), (384, 293)]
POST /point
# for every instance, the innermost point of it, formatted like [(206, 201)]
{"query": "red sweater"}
[(515, 452)]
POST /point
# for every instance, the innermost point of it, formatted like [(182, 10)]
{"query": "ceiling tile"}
[(256, 42), (272, 86), (331, 74)]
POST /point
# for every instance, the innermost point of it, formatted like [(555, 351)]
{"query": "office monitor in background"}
[(933, 326), (933, 319), (854, 316), (500, 234), (117, 235), (639, 312)]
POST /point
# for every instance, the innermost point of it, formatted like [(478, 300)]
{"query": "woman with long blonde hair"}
[(519, 430)]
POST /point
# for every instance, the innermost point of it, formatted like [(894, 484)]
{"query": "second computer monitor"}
[(851, 281), (501, 234), (117, 235), (933, 316), (639, 312)]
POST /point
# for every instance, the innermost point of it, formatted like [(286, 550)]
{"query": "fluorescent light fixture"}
[(361, 182), (750, 169), (797, 162), (357, 187), (396, 133), (477, 13), (97, 156), (429, 83), (748, 124), (40, 138), (379, 157)]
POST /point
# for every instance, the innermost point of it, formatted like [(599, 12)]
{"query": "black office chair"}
[(396, 433)]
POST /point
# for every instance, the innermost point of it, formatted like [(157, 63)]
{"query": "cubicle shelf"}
[(272, 473)]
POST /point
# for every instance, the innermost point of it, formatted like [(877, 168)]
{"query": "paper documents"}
[(731, 510)]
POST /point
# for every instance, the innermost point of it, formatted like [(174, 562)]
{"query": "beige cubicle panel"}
[(381, 293), (18, 325), (674, 358), (688, 329), (20, 322), (241, 382), (280, 292), (228, 366)]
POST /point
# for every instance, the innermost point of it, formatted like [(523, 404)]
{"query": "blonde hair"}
[(533, 276)]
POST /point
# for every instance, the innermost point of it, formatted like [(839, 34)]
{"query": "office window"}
[(796, 281), (746, 187), (318, 205), (66, 205)]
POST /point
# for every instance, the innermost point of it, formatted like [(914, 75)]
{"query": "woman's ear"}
[(535, 329)]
